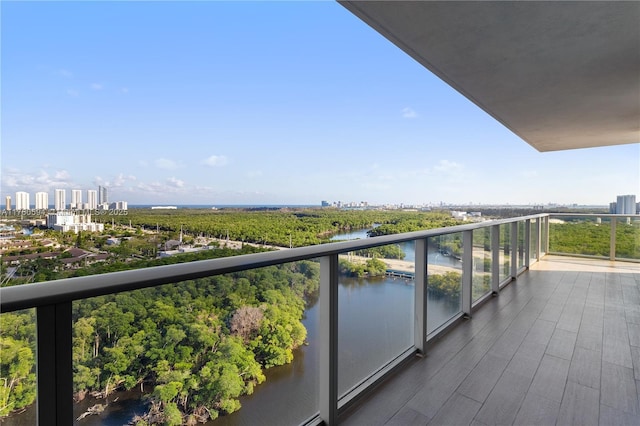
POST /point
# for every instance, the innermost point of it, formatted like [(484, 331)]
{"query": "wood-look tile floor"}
[(558, 346)]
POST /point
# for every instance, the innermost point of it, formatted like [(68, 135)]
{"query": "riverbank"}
[(402, 265)]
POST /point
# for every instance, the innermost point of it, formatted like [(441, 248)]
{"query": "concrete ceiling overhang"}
[(560, 75)]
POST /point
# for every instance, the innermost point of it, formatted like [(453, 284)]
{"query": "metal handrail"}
[(70, 289)]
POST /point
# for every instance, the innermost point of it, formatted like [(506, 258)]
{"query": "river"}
[(375, 324)]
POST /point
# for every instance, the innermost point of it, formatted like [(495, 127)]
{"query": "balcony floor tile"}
[(559, 345)]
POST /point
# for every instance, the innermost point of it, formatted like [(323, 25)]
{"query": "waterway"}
[(375, 325)]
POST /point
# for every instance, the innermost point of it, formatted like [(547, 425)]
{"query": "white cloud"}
[(163, 163), (97, 86), (119, 181), (409, 113), (172, 185), (254, 173), (446, 166), (177, 183), (62, 175), (215, 161), (19, 180), (73, 93)]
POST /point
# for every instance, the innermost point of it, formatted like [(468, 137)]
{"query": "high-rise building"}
[(8, 201), (626, 204), (22, 200), (92, 199), (60, 201), (42, 200), (76, 199), (102, 195)]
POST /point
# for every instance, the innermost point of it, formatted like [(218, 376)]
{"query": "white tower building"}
[(102, 195), (626, 204), (22, 200), (92, 199), (42, 200), (60, 199), (76, 199)]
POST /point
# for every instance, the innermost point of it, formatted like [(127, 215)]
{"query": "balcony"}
[(561, 345), (533, 337)]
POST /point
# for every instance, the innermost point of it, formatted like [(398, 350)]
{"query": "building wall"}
[(626, 204), (92, 199), (76, 199), (60, 199), (42, 200), (22, 200)]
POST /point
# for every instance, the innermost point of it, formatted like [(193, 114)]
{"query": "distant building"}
[(22, 200), (119, 205), (612, 208), (69, 221), (59, 199), (324, 203), (8, 202), (626, 204), (92, 199), (42, 200), (103, 197), (76, 199)]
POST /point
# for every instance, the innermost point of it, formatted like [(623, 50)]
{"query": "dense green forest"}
[(591, 238), (284, 226), (200, 344)]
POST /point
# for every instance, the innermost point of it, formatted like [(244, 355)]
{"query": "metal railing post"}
[(539, 242), (546, 232), (612, 240), (54, 365), (495, 259), (527, 243), (467, 272), (514, 250), (328, 310), (420, 298)]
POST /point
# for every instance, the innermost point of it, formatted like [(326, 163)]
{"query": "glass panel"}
[(505, 251), (544, 237), (580, 235), (444, 279), (239, 346), (481, 262), (533, 242), (18, 367), (628, 238), (521, 243), (375, 310)]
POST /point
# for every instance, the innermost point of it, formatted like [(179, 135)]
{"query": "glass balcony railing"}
[(444, 279), (616, 237), (375, 311), (17, 364), (504, 255), (358, 329), (481, 263), (534, 239)]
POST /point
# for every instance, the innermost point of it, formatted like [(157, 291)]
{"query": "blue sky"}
[(258, 103)]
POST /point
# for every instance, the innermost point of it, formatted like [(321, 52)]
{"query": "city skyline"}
[(264, 107)]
